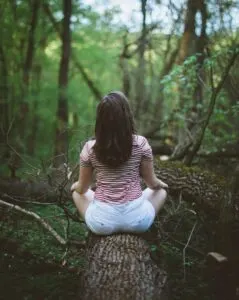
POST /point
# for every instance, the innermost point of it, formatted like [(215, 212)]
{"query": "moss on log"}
[(209, 191)]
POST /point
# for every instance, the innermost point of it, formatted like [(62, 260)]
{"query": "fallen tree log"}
[(210, 192), (120, 267), (23, 191)]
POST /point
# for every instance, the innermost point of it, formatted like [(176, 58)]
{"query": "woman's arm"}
[(85, 178), (149, 177)]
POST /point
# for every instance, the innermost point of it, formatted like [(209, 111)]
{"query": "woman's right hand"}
[(159, 184), (150, 178), (163, 184)]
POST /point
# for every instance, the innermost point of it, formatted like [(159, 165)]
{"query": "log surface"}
[(120, 267)]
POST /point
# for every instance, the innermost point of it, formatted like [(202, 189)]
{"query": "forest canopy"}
[(58, 59)]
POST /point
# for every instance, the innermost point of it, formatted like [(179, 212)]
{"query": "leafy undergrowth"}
[(33, 265), (187, 281), (34, 238), (21, 278)]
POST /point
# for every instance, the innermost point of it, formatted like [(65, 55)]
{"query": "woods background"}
[(177, 62)]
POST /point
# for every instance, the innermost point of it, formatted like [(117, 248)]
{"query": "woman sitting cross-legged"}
[(119, 158)]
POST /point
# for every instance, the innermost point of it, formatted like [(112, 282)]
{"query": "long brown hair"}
[(114, 129)]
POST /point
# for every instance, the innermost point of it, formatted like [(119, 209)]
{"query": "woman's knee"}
[(163, 194), (159, 200), (75, 196), (89, 196)]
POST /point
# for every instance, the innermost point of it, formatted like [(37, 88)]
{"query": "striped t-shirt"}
[(120, 184)]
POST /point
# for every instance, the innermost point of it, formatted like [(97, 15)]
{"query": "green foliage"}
[(31, 282), (235, 109), (34, 238)]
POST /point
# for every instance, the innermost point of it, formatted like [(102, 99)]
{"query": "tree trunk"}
[(95, 91), (200, 48), (186, 48), (31, 43), (120, 267), (27, 67), (61, 139), (4, 113), (140, 85), (34, 120), (187, 45), (191, 44), (123, 64)]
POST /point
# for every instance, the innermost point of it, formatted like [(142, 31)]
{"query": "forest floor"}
[(34, 266)]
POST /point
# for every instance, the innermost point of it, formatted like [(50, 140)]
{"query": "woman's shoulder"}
[(139, 140), (89, 145)]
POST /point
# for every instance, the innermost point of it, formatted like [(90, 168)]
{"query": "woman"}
[(119, 158)]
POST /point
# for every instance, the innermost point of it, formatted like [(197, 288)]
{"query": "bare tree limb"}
[(38, 219)]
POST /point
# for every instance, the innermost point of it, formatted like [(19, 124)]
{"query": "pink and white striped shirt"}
[(121, 184)]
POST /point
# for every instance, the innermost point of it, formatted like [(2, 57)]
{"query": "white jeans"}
[(107, 218)]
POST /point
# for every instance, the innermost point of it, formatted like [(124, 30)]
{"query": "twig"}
[(169, 237), (184, 250)]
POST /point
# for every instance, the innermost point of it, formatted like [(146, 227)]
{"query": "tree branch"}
[(38, 219)]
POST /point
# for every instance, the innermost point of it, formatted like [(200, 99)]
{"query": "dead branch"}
[(38, 219)]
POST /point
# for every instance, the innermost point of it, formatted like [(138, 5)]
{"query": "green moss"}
[(184, 170)]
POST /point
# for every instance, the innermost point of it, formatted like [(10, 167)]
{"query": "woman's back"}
[(120, 184)]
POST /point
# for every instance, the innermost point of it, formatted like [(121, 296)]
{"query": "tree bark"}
[(37, 73), (191, 44), (31, 43), (201, 44), (126, 86), (187, 44), (4, 113), (34, 115), (61, 138), (140, 84), (120, 267)]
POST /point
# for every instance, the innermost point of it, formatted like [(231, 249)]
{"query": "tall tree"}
[(192, 44), (4, 109), (61, 138), (140, 84), (27, 66)]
